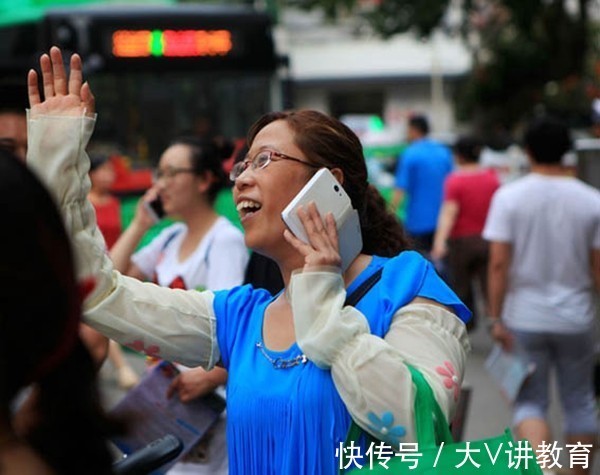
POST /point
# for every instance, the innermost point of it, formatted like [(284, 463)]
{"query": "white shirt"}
[(218, 262), (552, 223)]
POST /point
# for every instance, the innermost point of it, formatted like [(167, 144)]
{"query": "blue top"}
[(290, 421), (421, 172)]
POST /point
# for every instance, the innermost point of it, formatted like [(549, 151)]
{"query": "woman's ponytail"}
[(382, 233)]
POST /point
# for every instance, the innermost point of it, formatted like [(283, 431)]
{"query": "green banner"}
[(13, 12)]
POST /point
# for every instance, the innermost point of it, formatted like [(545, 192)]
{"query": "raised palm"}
[(62, 96)]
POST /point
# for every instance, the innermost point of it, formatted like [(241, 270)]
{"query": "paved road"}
[(487, 415), (488, 411)]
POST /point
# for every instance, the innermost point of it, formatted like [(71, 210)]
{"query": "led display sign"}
[(182, 37), (171, 43)]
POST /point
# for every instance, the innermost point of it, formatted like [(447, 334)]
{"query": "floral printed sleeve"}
[(369, 372)]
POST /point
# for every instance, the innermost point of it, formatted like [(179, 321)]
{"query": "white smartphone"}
[(329, 197)]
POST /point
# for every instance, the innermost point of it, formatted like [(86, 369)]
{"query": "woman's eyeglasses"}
[(169, 173), (262, 160)]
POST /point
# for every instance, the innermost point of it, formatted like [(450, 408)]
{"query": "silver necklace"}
[(282, 363)]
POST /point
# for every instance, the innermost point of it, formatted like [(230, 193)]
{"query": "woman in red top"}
[(108, 215), (467, 196)]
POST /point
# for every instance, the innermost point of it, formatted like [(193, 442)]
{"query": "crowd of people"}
[(263, 314), (523, 250)]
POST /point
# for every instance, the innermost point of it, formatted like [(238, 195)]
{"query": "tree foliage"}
[(398, 16), (527, 54)]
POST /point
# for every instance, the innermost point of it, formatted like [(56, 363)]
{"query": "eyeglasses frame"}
[(159, 174), (247, 162)]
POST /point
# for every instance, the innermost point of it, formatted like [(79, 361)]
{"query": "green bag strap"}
[(430, 423)]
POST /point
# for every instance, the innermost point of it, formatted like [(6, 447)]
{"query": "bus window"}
[(142, 112)]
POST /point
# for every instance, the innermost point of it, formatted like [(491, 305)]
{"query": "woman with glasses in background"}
[(201, 251)]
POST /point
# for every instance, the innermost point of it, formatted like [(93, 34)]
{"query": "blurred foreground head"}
[(40, 308), (39, 331)]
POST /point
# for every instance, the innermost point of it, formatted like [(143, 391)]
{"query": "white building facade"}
[(335, 70)]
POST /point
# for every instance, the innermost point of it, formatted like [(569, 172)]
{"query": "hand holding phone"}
[(155, 208), (329, 197)]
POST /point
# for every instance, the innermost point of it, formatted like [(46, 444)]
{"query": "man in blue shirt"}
[(420, 175)]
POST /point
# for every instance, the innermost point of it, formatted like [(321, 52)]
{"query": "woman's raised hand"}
[(62, 96), (323, 246)]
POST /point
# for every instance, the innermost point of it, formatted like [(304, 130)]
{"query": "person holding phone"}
[(189, 253), (201, 250), (301, 364)]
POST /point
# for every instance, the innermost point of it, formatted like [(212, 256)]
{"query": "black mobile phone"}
[(155, 208)]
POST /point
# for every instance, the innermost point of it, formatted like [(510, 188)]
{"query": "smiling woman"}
[(302, 364)]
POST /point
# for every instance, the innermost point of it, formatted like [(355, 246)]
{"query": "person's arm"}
[(396, 199), (127, 243), (401, 182), (95, 342), (369, 372), (498, 267), (595, 260), (446, 221), (196, 382), (173, 325), (124, 248)]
